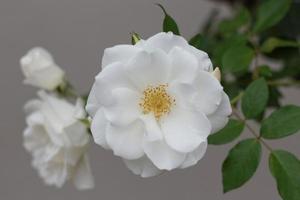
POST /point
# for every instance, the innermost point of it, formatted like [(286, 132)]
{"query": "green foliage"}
[(223, 46), (237, 45), (230, 26), (201, 42), (230, 132), (285, 168), (255, 98), (237, 58), (270, 12), (240, 164), (169, 23), (272, 43), (281, 123)]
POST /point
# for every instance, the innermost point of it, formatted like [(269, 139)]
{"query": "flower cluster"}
[(55, 136)]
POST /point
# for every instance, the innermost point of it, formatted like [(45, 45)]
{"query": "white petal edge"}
[(184, 65), (125, 108), (83, 178), (143, 167), (209, 93), (164, 41), (220, 117), (110, 78), (98, 129), (147, 69), (184, 129), (162, 156), (119, 53), (126, 141), (153, 130), (193, 157)]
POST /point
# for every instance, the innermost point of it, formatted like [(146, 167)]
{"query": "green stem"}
[(236, 98), (252, 131)]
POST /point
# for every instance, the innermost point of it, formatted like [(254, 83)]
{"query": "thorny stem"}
[(252, 131)]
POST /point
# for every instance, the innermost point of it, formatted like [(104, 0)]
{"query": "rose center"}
[(156, 100)]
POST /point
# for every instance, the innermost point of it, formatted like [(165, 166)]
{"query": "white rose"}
[(40, 69), (155, 103), (58, 141)]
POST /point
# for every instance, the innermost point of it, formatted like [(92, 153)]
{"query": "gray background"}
[(76, 32)]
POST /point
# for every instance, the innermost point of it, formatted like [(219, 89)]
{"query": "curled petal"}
[(220, 117), (209, 93), (98, 128), (162, 156), (119, 53), (193, 157)]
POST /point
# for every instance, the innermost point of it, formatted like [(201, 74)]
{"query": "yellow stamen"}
[(156, 100)]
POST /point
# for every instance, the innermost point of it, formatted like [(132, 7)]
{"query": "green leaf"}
[(229, 26), (237, 58), (270, 12), (169, 23), (231, 131), (226, 44), (285, 168), (281, 123), (255, 98), (241, 164), (272, 43)]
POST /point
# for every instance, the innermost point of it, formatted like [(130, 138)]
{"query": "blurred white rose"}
[(155, 103), (58, 141), (40, 69)]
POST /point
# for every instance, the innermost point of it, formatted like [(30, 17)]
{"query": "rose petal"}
[(193, 157), (184, 65), (209, 93), (126, 142), (125, 108), (219, 118), (163, 41), (147, 69), (204, 63), (153, 131), (112, 77), (118, 53), (143, 167), (162, 156), (184, 129), (98, 128), (83, 178)]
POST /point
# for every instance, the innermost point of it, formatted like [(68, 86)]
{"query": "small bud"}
[(217, 73), (135, 38)]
